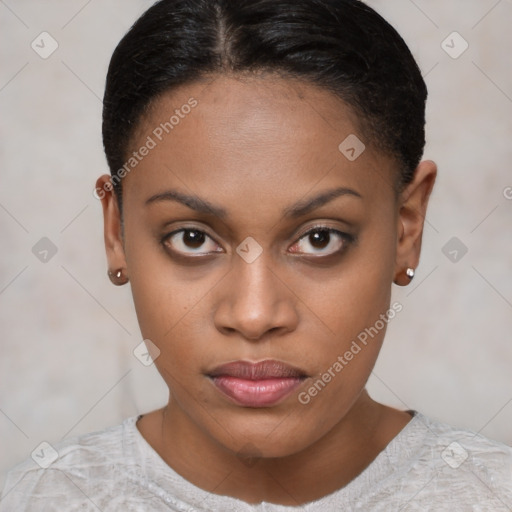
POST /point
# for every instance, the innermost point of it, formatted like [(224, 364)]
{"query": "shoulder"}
[(71, 468), (461, 447), (459, 465)]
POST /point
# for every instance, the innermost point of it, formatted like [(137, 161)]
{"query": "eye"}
[(322, 241), (190, 242)]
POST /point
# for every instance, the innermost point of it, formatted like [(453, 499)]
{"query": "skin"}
[(254, 147)]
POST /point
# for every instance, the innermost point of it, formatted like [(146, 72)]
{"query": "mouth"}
[(261, 384)]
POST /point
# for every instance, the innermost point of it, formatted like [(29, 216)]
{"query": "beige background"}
[(67, 336)]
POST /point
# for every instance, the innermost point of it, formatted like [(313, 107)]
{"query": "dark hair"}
[(341, 45)]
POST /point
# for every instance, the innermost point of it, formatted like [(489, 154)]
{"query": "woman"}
[(266, 191)]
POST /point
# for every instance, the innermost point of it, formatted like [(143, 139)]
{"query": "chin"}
[(273, 438)]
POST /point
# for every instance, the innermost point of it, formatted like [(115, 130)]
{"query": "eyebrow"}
[(193, 202), (308, 205), (296, 210)]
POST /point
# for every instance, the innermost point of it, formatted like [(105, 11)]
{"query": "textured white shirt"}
[(428, 466)]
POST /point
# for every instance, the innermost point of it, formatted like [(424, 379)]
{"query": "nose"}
[(254, 301)]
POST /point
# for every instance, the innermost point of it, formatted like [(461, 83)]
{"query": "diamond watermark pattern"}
[(352, 147), (146, 352), (454, 455), (44, 45), (454, 45), (455, 250), (45, 455), (249, 250), (44, 250)]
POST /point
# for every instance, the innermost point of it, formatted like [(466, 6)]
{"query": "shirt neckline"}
[(158, 473)]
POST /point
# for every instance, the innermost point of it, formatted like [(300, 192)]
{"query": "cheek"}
[(170, 310), (161, 294), (345, 360), (352, 296), (355, 306), (172, 305), (169, 314)]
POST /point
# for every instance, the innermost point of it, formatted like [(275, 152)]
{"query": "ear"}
[(411, 219), (112, 225)]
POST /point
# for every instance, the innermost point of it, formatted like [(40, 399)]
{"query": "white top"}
[(428, 466)]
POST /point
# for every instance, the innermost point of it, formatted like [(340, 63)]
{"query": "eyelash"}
[(345, 240)]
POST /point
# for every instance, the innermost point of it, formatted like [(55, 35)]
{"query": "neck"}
[(292, 480)]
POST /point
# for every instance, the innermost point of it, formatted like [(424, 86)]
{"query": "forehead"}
[(255, 108), (253, 134)]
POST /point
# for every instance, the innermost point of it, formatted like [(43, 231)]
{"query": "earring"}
[(404, 278), (118, 278)]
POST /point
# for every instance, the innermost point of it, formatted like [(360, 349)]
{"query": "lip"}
[(260, 384)]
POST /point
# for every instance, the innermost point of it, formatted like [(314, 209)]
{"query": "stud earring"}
[(410, 273), (118, 278)]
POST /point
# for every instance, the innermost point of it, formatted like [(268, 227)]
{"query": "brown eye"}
[(193, 239), (321, 242), (188, 241), (320, 239)]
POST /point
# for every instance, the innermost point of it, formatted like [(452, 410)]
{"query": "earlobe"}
[(118, 277), (411, 220), (404, 277), (112, 226)]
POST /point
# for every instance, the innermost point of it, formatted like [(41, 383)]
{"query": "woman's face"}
[(250, 236)]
